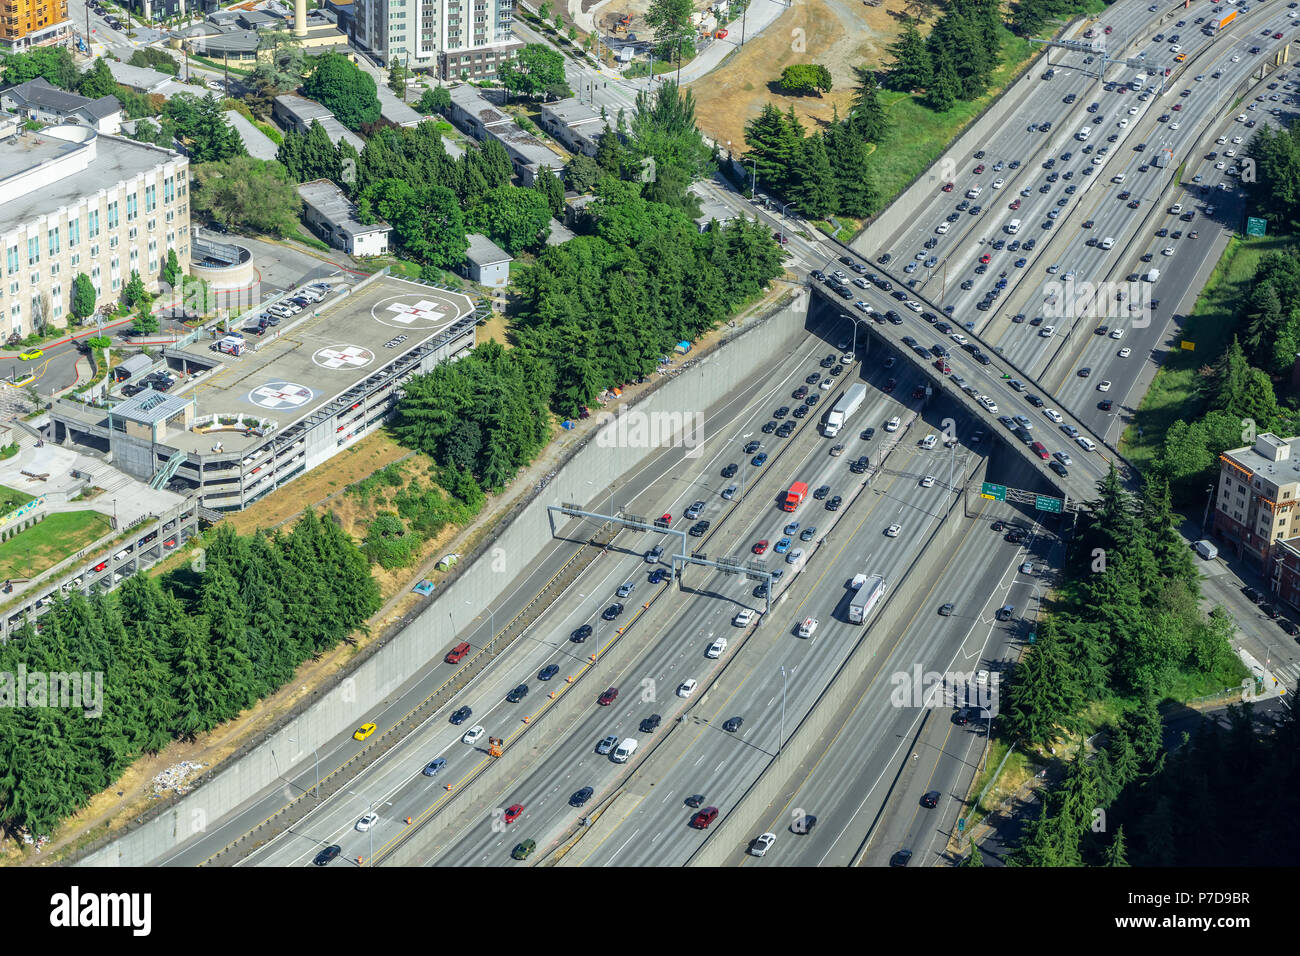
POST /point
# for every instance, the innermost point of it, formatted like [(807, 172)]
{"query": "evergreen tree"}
[(912, 69), (171, 272), (97, 81), (814, 183), (867, 117), (944, 89), (83, 296), (1043, 694), (851, 168), (609, 152), (549, 185)]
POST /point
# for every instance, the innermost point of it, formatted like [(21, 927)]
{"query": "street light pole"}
[(783, 208), (314, 751)]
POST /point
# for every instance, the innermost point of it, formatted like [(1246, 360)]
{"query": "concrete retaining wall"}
[(597, 467)]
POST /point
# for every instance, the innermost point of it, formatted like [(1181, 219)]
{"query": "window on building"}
[(54, 241), (150, 198), (74, 233), (132, 207), (169, 189), (112, 214), (33, 250), (13, 260), (92, 225)]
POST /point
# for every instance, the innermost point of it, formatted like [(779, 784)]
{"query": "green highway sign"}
[(1047, 504), (1256, 227), (993, 492), (1033, 638)]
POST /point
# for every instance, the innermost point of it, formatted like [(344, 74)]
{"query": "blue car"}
[(1020, 263), (658, 575), (461, 715), (759, 460), (435, 766), (547, 672), (791, 528), (782, 546)]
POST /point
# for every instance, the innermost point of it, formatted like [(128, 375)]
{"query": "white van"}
[(121, 554), (808, 627), (1083, 133), (743, 617), (974, 192), (1118, 179), (1108, 242), (1207, 550), (1013, 227), (942, 227), (624, 750)]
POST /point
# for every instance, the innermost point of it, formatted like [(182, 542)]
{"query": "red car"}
[(985, 258), (781, 238), (512, 813), (761, 547), (1015, 205), (1109, 29), (1177, 107), (1277, 36), (979, 169), (101, 566), (889, 385), (608, 697), (947, 187), (702, 819), (942, 366), (1041, 449), (666, 518)]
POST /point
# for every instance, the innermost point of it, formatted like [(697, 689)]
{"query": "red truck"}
[(795, 496)]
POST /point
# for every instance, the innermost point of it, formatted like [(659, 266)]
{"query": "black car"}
[(518, 694), (868, 434), (931, 799), (1288, 626), (733, 724), (327, 854), (859, 466), (800, 412), (1271, 611), (821, 492), (1253, 595), (834, 503), (837, 369), (698, 529), (812, 399), (900, 858), (730, 470), (885, 259), (650, 723), (1015, 536), (818, 275), (769, 427), (802, 825), (581, 797), (827, 362), (547, 672), (695, 801), (752, 447), (613, 611), (781, 412), (1034, 400), (785, 430), (1057, 467), (461, 715), (581, 634)]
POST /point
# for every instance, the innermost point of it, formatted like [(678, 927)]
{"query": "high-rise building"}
[(1258, 501), (73, 201), (458, 38), (28, 23)]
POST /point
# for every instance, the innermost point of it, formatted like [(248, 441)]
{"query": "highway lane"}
[(852, 784), (661, 474), (704, 617)]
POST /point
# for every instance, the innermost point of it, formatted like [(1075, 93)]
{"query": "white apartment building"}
[(76, 201), (458, 38)]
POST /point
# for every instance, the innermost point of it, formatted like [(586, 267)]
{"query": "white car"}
[(1173, 126), (943, 227), (927, 481), (1046, 331), (913, 305), (893, 530), (1116, 333), (1230, 153), (1125, 352), (1220, 165), (1167, 251), (929, 441), (1027, 568), (717, 648), (1175, 209), (1103, 386), (368, 821), (1053, 415), (999, 183), (1241, 117), (1236, 57), (1063, 457), (827, 385), (743, 617), (1221, 140), (892, 424), (1086, 443), (959, 338), (763, 844), (472, 735), (988, 404), (1236, 140), (793, 556), (1122, 123), (687, 688), (1132, 111)]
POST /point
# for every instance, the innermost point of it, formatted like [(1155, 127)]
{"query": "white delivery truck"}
[(1083, 133), (1207, 550), (867, 596), (849, 403), (974, 192)]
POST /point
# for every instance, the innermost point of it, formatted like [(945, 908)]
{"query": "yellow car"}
[(33, 354), (364, 731)]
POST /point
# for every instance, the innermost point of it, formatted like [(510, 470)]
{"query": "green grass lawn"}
[(11, 499), (45, 545), (1210, 326)]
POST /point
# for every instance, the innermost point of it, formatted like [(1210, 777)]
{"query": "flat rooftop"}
[(296, 370), (115, 160)]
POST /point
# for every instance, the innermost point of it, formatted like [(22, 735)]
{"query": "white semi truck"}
[(846, 406), (866, 598)]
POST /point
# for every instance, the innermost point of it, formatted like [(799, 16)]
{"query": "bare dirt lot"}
[(838, 34)]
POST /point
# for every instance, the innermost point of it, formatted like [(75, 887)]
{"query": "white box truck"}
[(848, 404), (1083, 133), (866, 598)]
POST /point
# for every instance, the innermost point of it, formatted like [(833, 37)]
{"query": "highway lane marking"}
[(862, 700)]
